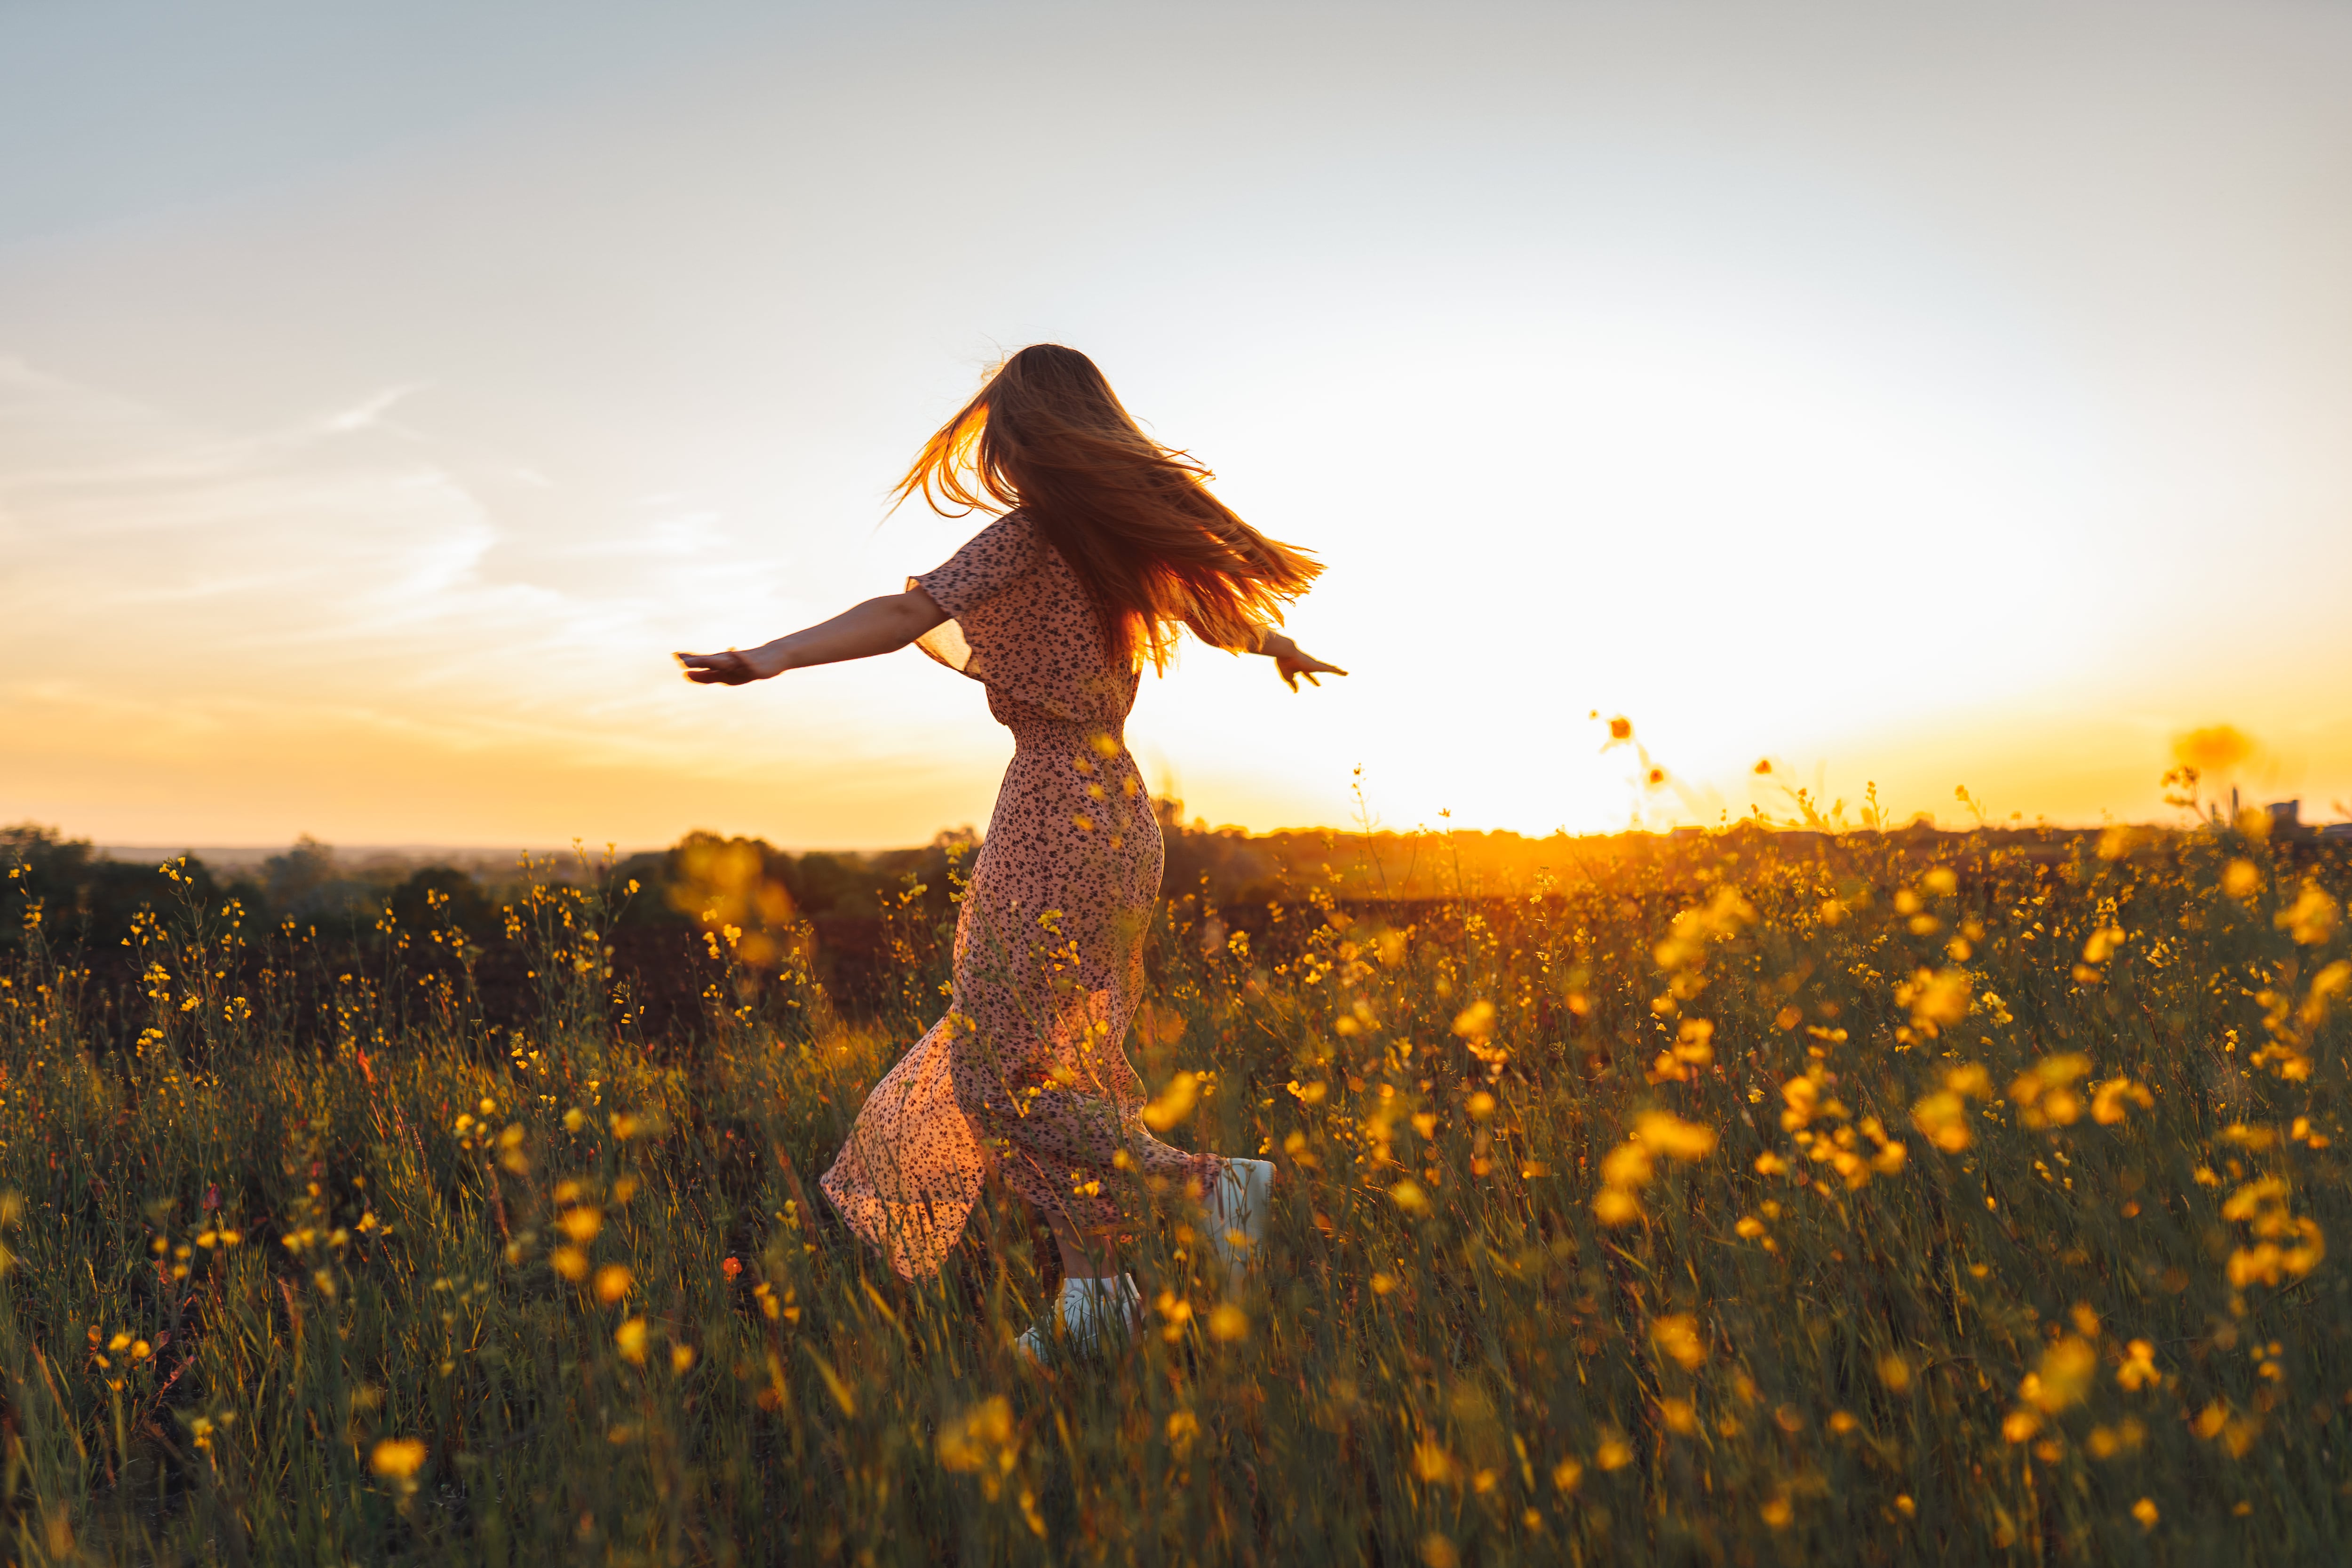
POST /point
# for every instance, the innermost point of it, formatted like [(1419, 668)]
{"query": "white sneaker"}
[(1092, 1311), (1236, 1210)]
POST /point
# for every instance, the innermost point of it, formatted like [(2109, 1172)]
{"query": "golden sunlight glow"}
[(1850, 436)]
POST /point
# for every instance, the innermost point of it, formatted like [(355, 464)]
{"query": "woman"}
[(1108, 542)]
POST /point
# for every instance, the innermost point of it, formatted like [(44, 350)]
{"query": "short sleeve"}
[(1004, 549), (992, 558)]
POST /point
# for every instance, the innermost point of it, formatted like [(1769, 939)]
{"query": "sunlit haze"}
[(1923, 396)]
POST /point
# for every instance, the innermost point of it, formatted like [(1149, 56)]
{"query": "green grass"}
[(1792, 1346)]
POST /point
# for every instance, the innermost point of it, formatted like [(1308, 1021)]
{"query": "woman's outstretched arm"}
[(1291, 661), (876, 626)]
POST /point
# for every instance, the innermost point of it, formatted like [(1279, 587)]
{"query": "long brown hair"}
[(1134, 518)]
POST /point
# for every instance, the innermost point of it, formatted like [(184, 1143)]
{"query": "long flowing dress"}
[(1026, 1071)]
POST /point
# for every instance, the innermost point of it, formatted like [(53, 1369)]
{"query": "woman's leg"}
[(1083, 1257)]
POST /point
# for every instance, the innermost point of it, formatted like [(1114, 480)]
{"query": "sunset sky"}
[(1930, 395)]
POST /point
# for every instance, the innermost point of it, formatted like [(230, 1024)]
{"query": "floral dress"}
[(1027, 1071)]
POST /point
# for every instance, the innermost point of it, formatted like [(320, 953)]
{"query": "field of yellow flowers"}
[(1752, 1198)]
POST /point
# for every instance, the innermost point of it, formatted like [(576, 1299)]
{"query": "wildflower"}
[(397, 1458), (1937, 998), (1776, 1512), (1750, 1227), (575, 1119), (2138, 1370), (570, 1262), (612, 1282), (1693, 1043), (2144, 1510), (681, 1359), (1433, 1464), (1662, 1133), (630, 1339), (2312, 917), (1567, 1476), (2108, 1099), (1228, 1323), (1676, 1337), (2063, 1377), (730, 1266), (2241, 879), (1436, 1551), (1895, 1373), (981, 1440), (1183, 1428), (1615, 1206), (1174, 1104), (1409, 1195), (2044, 1096), (1679, 1416), (1943, 1120), (1480, 1105), (1615, 1453), (1382, 1283), (581, 1224)]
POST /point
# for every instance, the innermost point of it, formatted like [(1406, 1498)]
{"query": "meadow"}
[(1751, 1197)]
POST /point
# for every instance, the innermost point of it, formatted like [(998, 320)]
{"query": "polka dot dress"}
[(1026, 1071)]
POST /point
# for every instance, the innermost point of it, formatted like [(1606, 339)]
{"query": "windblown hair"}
[(1134, 518)]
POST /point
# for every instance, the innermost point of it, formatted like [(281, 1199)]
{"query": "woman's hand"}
[(732, 667), (1291, 661), (876, 626)]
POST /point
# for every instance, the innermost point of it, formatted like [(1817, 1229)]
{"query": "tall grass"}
[(1866, 1198)]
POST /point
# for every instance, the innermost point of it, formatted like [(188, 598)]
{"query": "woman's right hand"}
[(732, 667)]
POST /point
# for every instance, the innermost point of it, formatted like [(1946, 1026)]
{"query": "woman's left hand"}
[(1291, 661)]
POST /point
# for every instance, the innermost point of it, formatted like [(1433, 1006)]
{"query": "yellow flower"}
[(1663, 1133), (630, 1337), (1228, 1322), (2144, 1510), (397, 1458), (612, 1282), (1174, 1104), (1937, 998), (2311, 918), (1895, 1373), (1677, 1336), (2241, 879), (2064, 1376), (980, 1438), (1432, 1463), (681, 1359), (1409, 1195), (1615, 1453), (1183, 1427), (1627, 1165), (1944, 1120), (2138, 1370), (2108, 1099), (1476, 1021), (570, 1262), (1776, 1512), (581, 1223), (1436, 1551), (1567, 1475), (1615, 1206)]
